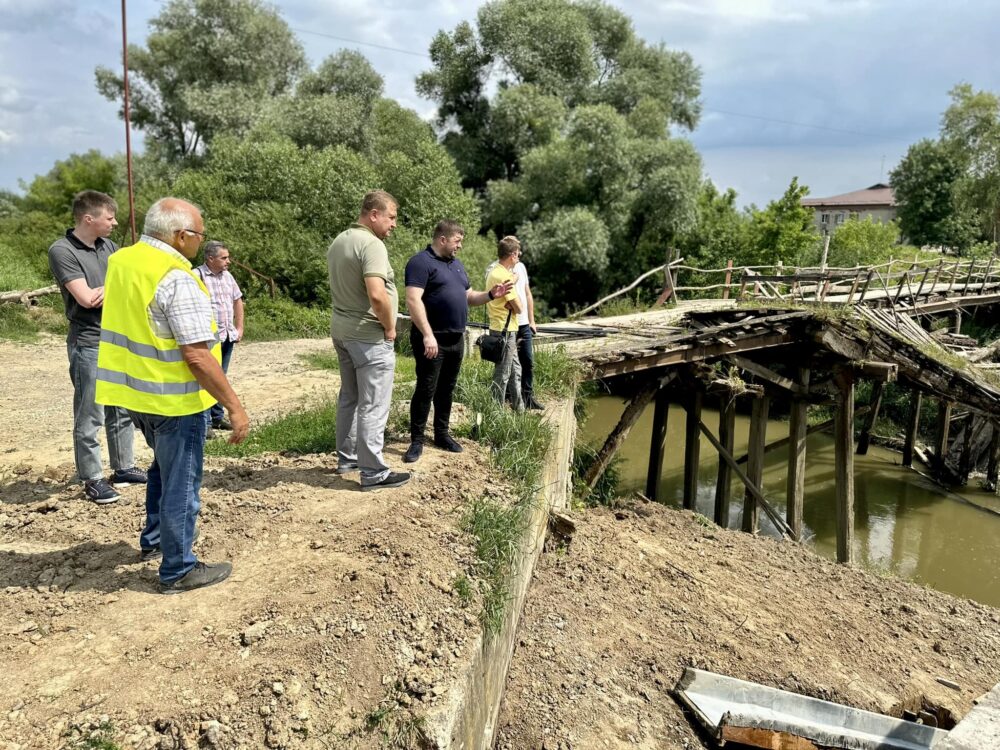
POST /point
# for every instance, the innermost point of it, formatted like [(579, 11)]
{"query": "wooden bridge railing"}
[(897, 282)]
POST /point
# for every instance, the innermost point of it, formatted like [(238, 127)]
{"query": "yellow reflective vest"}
[(136, 369)]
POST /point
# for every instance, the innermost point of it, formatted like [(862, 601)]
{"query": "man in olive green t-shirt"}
[(363, 327)]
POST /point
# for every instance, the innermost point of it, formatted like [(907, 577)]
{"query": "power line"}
[(364, 44)]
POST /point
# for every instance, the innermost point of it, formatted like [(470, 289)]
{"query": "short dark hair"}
[(212, 248), (377, 200), (448, 228), (88, 202), (508, 246)]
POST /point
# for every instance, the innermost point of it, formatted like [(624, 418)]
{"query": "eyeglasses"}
[(200, 234)]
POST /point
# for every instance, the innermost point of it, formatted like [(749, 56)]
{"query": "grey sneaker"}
[(201, 575), (346, 468), (394, 479), (100, 491), (125, 477), (155, 553)]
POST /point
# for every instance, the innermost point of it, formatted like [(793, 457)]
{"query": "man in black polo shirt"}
[(438, 295), (79, 263)]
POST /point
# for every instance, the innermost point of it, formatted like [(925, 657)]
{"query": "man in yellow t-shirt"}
[(503, 313)]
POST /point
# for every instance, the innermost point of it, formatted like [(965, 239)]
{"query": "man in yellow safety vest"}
[(159, 358)]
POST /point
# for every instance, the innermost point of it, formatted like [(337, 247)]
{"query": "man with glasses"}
[(160, 359), (227, 304), (79, 263)]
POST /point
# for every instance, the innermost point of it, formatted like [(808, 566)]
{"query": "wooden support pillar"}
[(723, 487), (755, 461), (994, 458), (865, 438), (628, 419), (657, 441), (692, 449), (957, 326), (797, 430), (965, 459), (911, 429), (943, 429), (844, 461)]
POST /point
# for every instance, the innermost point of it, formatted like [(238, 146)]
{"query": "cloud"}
[(6, 138)]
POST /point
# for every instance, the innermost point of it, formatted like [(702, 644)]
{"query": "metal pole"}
[(128, 127)]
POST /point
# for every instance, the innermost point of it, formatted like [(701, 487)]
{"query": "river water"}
[(904, 522)]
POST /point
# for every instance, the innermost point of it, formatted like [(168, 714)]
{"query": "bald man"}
[(159, 358)]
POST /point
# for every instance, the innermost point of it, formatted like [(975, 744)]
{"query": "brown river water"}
[(904, 523)]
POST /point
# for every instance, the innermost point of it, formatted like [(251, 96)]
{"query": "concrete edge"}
[(468, 720), (980, 729)]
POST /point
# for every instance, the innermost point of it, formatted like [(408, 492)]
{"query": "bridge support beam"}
[(911, 429), (755, 461), (628, 419), (657, 441), (865, 438), (724, 485), (844, 462), (692, 448), (798, 428), (943, 432), (994, 458)]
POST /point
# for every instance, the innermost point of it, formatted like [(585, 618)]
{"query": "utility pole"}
[(128, 127)]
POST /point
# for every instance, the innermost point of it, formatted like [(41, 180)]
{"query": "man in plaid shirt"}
[(227, 306)]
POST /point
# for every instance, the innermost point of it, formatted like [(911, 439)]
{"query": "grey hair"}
[(213, 248), (162, 222)]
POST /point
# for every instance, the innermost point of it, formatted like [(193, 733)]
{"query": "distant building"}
[(877, 201)]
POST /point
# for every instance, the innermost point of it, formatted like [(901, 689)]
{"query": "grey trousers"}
[(88, 416), (507, 374), (366, 374)]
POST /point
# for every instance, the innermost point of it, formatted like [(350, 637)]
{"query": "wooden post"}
[(844, 462), (911, 428), (864, 289), (943, 428), (957, 325), (994, 458), (965, 459), (729, 278), (865, 438), (656, 444), (723, 487), (629, 417), (692, 449), (755, 462), (796, 488)]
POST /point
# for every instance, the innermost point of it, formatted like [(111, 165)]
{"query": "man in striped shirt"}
[(227, 306)]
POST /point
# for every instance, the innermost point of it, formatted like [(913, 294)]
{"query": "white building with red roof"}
[(877, 202)]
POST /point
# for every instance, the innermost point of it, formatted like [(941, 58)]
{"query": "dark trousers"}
[(526, 354), (217, 412), (436, 380)]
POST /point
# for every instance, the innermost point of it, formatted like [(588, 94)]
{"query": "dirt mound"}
[(339, 623), (640, 593)]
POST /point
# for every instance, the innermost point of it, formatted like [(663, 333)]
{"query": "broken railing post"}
[(844, 463)]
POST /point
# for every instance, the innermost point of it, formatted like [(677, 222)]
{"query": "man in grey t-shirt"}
[(79, 263), (363, 327)]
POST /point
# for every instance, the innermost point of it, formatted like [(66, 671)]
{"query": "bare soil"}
[(340, 625), (640, 593)]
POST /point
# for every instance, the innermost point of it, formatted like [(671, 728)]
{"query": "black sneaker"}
[(413, 453), (125, 477), (222, 424), (448, 443), (100, 491), (394, 479), (201, 575)]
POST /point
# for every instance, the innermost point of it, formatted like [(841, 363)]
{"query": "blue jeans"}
[(366, 375), (526, 356), (172, 501), (216, 413), (88, 416)]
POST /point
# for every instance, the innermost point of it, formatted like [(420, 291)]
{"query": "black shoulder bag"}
[(491, 345)]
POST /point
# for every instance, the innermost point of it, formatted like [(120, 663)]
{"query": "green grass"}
[(278, 319), (321, 360), (18, 323), (396, 727), (311, 430), (555, 373)]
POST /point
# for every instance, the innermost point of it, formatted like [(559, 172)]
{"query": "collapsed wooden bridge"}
[(807, 339)]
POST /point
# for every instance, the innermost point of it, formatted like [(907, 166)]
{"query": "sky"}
[(830, 91)]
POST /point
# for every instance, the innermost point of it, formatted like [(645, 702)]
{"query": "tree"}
[(598, 60), (863, 243), (52, 193), (924, 185), (207, 66), (720, 233), (783, 231)]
